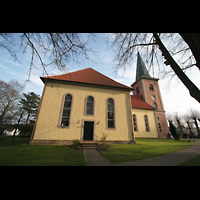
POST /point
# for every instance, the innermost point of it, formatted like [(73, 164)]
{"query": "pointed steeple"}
[(141, 68)]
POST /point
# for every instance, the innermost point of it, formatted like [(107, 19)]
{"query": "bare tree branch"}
[(194, 91), (35, 50), (62, 49)]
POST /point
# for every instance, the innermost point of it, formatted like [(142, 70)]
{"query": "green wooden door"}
[(88, 131)]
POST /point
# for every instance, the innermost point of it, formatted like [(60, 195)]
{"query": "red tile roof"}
[(88, 76), (137, 102)]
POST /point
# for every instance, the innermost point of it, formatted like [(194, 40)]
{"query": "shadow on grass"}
[(16, 154), (7, 141)]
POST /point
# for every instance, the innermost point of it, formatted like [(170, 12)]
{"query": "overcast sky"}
[(175, 95)]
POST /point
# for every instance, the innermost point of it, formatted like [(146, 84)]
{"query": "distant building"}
[(10, 132)]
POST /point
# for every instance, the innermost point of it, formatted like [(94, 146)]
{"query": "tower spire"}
[(141, 68)]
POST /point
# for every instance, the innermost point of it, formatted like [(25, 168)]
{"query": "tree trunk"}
[(26, 123), (194, 91), (27, 118), (14, 133), (180, 127), (4, 111), (189, 127), (196, 124), (173, 131)]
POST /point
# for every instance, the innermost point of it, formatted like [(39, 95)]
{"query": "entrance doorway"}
[(88, 130)]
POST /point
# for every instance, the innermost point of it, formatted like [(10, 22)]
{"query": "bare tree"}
[(169, 116), (9, 93), (187, 119), (61, 48), (193, 41), (194, 91), (173, 130), (180, 125), (64, 48), (194, 116), (157, 45)]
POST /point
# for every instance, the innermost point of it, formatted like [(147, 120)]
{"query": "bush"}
[(103, 145), (76, 144), (103, 138), (25, 130)]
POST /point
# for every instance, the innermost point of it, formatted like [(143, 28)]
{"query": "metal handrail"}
[(97, 139)]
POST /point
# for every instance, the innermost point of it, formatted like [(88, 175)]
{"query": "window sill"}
[(62, 126), (111, 128)]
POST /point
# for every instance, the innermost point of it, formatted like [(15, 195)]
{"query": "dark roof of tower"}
[(141, 68)]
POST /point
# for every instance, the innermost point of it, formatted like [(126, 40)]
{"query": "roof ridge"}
[(108, 77), (66, 73)]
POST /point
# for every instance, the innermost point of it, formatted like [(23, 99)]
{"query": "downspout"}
[(156, 124), (130, 108)]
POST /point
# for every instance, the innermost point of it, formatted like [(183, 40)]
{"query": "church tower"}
[(148, 89)]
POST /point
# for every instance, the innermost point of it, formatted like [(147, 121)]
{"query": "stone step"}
[(89, 145)]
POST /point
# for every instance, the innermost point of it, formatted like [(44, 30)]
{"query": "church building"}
[(86, 104)]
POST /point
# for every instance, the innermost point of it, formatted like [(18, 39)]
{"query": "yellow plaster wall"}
[(51, 112), (142, 133)]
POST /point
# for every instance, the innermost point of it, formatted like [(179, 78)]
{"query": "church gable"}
[(86, 76), (83, 112)]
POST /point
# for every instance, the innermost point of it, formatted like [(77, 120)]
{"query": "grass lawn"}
[(144, 148), (192, 162), (16, 154)]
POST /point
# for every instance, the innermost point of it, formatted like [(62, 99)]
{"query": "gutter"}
[(87, 84)]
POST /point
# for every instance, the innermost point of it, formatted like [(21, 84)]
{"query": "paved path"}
[(95, 158)]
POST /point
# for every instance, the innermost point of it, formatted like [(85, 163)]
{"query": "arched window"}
[(153, 97), (151, 87), (155, 105), (159, 127), (137, 90), (90, 106), (111, 110), (66, 110), (134, 122), (146, 122)]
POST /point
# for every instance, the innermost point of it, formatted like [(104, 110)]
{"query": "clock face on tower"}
[(153, 97)]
